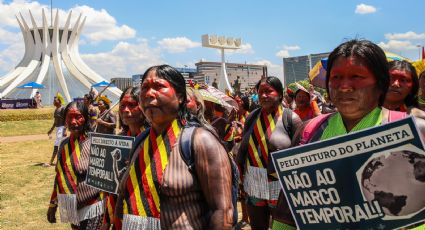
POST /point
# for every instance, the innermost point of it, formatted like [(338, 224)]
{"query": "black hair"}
[(134, 92), (89, 98), (371, 55), (421, 75), (245, 103), (107, 106), (176, 79), (411, 99), (300, 90), (83, 110), (274, 82)]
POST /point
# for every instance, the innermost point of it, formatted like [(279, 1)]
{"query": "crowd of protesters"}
[(159, 190)]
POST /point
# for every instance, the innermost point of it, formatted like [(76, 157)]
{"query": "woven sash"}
[(264, 126), (66, 178), (141, 202), (66, 167), (229, 130), (242, 118)]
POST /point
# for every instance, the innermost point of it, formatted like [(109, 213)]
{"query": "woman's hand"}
[(51, 214)]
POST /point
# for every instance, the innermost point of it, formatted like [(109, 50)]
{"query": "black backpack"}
[(186, 139)]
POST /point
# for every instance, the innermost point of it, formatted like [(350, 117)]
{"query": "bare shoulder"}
[(204, 137)]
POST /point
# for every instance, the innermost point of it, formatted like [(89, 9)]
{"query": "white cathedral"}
[(52, 58)]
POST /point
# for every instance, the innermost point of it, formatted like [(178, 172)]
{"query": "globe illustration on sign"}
[(396, 181)]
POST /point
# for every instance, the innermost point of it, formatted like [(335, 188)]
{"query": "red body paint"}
[(400, 85), (353, 88), (268, 97), (159, 100), (75, 121)]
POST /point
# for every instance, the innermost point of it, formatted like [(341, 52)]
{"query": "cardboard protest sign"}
[(372, 179), (109, 156)]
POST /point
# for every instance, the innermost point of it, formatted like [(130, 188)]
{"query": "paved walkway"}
[(24, 138)]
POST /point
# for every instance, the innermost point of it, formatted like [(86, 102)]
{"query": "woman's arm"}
[(215, 177)]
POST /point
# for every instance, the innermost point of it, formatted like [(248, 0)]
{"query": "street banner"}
[(372, 179), (109, 157)]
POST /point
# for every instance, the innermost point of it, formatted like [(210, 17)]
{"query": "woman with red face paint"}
[(404, 86), (159, 191), (265, 131), (357, 81), (78, 203), (132, 122)]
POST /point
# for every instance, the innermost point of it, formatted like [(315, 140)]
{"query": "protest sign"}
[(109, 156), (372, 179)]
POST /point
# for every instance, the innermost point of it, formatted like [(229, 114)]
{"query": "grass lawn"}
[(27, 127), (25, 187)]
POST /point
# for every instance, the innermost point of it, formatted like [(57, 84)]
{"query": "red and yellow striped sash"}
[(141, 197), (66, 166), (229, 130), (264, 125), (242, 118)]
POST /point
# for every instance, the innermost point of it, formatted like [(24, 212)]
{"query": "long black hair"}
[(371, 55), (176, 79), (411, 99), (275, 83), (134, 93), (83, 110)]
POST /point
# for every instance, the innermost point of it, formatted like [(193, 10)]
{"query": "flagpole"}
[(51, 13)]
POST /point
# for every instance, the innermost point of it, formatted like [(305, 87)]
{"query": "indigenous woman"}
[(306, 106), (79, 204), (404, 86), (132, 123), (158, 190), (357, 81), (265, 132), (106, 122)]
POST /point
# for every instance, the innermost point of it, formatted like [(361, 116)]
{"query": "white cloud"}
[(272, 69), (365, 9), (10, 56), (295, 47), (244, 49), (124, 59), (408, 36), (8, 37), (178, 44), (99, 25), (283, 53), (397, 45)]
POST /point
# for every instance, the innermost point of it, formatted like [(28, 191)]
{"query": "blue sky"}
[(122, 38)]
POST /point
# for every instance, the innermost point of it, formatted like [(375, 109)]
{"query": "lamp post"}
[(222, 43), (420, 50)]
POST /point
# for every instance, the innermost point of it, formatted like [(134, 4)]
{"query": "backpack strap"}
[(186, 139), (311, 127)]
